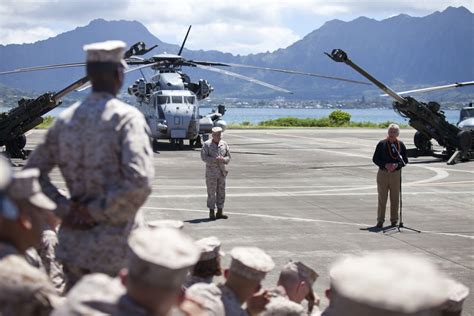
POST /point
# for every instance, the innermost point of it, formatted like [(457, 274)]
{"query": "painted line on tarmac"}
[(303, 193), (296, 219), (439, 175), (322, 139)]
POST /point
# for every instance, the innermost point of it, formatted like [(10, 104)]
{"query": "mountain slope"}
[(402, 51)]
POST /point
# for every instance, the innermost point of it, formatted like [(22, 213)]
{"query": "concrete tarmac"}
[(310, 195)]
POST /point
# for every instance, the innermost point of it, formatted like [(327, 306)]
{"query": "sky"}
[(238, 27)]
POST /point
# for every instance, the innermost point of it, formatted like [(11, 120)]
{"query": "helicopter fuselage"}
[(175, 114)]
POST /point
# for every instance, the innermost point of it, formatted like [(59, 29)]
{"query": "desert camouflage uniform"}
[(45, 260), (102, 149), (232, 305), (282, 306), (47, 252), (99, 294), (24, 289), (216, 173), (193, 279)]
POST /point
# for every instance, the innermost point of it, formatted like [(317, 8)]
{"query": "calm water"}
[(255, 115)]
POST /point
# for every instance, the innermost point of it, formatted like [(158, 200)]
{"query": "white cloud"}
[(244, 26), (21, 36)]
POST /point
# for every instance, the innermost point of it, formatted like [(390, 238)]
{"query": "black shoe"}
[(394, 224), (379, 225), (212, 216), (219, 214)]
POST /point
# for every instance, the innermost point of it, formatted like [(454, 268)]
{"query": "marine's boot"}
[(212, 216), (220, 215)]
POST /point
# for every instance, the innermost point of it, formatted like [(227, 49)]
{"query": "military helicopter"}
[(169, 99), (427, 118)]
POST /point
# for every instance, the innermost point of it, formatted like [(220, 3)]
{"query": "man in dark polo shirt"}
[(388, 157)]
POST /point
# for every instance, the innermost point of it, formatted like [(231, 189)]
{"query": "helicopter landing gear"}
[(195, 143), (154, 144), (177, 143), (198, 143)]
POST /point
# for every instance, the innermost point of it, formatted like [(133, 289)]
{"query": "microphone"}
[(398, 153)]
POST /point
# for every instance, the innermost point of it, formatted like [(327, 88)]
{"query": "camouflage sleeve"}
[(44, 157), (227, 156), (122, 201), (205, 154)]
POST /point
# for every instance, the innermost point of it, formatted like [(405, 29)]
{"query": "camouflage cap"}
[(94, 294), (217, 129), (386, 284), (250, 262), (283, 306), (303, 271), (106, 52), (26, 187), (209, 295), (457, 293), (210, 248), (161, 257)]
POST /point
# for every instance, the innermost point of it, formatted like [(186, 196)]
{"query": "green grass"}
[(292, 122), (47, 122), (285, 122)]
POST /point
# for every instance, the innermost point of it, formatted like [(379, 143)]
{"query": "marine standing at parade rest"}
[(101, 146), (24, 289), (215, 153), (390, 156)]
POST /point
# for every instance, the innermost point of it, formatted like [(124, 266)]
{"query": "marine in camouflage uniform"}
[(215, 153), (24, 289), (158, 262), (102, 148), (248, 268)]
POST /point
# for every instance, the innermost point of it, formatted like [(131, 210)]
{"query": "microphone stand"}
[(400, 224)]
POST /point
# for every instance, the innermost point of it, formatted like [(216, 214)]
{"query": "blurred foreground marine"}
[(102, 149), (297, 280), (215, 153), (209, 264), (248, 268), (24, 289), (158, 262), (25, 191), (390, 284), (390, 156)]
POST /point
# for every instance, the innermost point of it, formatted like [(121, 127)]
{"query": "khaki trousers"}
[(388, 181)]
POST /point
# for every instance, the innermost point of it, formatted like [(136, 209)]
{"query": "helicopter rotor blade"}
[(206, 63), (184, 41), (87, 85), (436, 88), (193, 63), (45, 67), (236, 75)]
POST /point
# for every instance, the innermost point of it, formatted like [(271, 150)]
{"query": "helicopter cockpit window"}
[(163, 99), (177, 99), (190, 99)]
